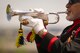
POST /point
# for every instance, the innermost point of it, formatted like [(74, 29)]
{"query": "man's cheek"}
[(76, 9), (77, 14)]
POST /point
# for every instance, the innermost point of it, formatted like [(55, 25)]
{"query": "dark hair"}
[(74, 1)]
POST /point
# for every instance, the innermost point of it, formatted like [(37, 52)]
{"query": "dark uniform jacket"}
[(52, 44)]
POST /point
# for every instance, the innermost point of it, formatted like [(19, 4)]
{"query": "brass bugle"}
[(10, 13)]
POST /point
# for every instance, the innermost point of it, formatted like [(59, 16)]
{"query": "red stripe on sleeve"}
[(44, 34), (52, 41)]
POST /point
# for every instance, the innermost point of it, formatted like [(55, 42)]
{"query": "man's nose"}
[(68, 5)]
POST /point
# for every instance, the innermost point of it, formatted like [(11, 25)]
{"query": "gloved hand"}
[(40, 13), (35, 23)]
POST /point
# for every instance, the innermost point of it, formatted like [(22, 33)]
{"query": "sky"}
[(47, 5)]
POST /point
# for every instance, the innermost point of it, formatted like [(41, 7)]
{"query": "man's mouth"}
[(68, 12)]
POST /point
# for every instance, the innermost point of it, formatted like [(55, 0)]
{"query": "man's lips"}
[(68, 12)]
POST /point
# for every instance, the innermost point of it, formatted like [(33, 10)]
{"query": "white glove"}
[(41, 14), (36, 24)]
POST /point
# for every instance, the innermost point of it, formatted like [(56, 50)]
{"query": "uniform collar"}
[(76, 21)]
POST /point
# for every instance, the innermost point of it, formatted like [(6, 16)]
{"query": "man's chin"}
[(70, 18)]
